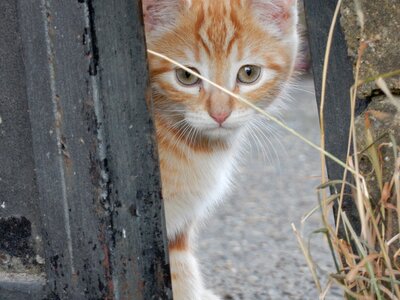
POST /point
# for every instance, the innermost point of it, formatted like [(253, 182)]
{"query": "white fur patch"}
[(203, 183)]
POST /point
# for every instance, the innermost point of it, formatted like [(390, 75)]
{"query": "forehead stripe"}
[(218, 33), (199, 23)]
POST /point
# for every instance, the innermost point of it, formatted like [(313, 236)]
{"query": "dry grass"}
[(367, 263)]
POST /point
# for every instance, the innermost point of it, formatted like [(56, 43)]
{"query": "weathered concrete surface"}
[(377, 128), (248, 249), (381, 32)]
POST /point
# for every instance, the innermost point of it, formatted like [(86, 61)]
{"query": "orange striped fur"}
[(201, 130)]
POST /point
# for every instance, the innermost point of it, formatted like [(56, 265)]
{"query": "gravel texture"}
[(247, 248)]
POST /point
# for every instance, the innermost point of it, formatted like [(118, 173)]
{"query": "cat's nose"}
[(220, 117)]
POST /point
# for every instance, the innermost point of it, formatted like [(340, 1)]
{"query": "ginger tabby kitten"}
[(247, 46)]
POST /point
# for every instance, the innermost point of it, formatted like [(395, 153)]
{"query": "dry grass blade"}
[(360, 14), (346, 289), (374, 78), (363, 254), (396, 176), (333, 183), (326, 289), (393, 239), (323, 90), (388, 293), (308, 257), (384, 251), (354, 271), (328, 201), (383, 86), (358, 178), (372, 151)]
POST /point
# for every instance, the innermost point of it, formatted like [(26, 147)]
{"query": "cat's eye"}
[(186, 78), (248, 74)]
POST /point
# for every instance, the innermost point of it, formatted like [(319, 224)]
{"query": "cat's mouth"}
[(221, 131), (213, 128)]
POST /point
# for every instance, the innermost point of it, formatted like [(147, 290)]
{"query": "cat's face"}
[(246, 46)]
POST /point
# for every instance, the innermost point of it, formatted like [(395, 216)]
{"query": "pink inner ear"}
[(148, 16), (279, 12), (158, 13)]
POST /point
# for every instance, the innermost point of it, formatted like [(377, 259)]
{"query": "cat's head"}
[(246, 46)]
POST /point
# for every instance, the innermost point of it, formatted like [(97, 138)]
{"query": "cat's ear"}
[(161, 14), (279, 15)]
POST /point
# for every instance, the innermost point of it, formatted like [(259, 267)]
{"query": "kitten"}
[(247, 46)]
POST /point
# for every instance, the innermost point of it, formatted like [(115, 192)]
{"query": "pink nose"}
[(220, 117)]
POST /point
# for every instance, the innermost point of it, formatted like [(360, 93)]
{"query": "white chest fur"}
[(196, 187)]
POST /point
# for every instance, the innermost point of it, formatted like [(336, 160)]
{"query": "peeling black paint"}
[(94, 62), (95, 215), (15, 237)]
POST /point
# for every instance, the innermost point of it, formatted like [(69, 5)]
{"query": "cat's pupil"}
[(248, 74), (187, 74)]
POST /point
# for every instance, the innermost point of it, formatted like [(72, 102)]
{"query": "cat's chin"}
[(220, 132)]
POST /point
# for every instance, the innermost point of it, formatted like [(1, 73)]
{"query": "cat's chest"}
[(201, 178), (209, 173), (191, 188)]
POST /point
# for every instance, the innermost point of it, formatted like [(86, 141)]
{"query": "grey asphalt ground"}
[(247, 248)]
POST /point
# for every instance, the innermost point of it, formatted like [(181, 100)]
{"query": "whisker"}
[(273, 131), (303, 90), (258, 144), (268, 141), (180, 134)]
